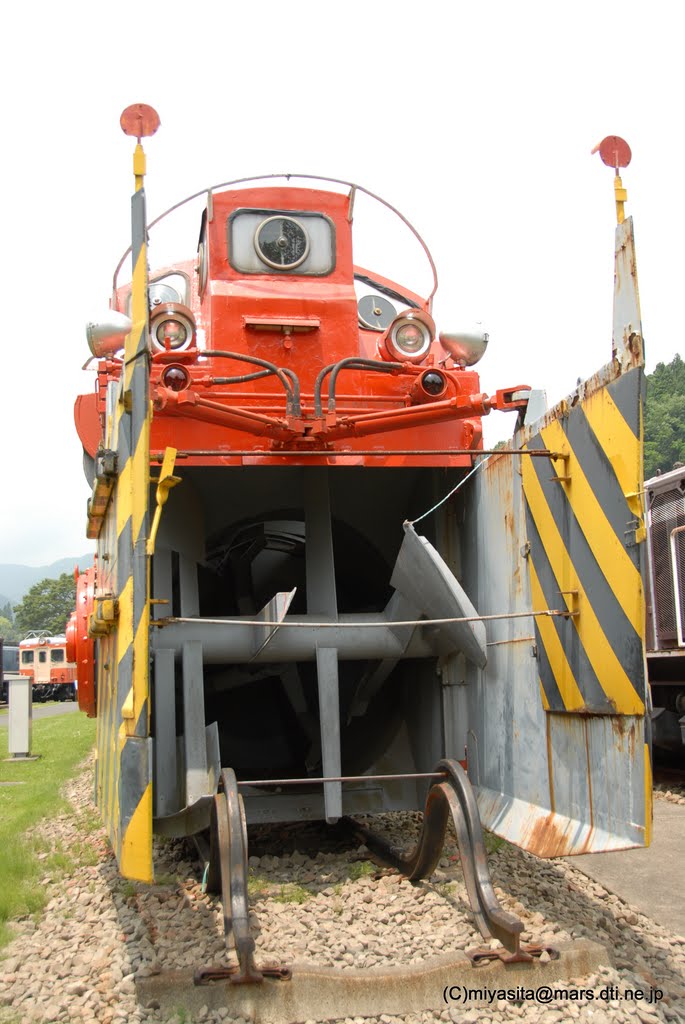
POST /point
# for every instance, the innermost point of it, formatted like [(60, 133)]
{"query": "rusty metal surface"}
[(544, 781)]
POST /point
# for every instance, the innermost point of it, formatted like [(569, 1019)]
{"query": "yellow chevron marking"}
[(125, 621), (608, 669), (140, 479), (619, 443), (563, 674), (620, 572), (648, 797), (124, 495), (543, 696), (139, 693), (136, 844)]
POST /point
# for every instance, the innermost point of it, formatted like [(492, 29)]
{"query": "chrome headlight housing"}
[(409, 337), (172, 327)]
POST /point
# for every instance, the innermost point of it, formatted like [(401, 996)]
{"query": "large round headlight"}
[(172, 327), (410, 336)]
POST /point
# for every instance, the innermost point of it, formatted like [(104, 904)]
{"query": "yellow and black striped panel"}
[(584, 526), (124, 747)]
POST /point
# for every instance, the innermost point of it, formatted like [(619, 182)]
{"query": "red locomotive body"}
[(392, 396)]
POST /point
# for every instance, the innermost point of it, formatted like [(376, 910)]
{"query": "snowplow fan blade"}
[(424, 578)]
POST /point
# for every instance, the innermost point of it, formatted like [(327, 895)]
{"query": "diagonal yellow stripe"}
[(563, 674), (139, 693), (620, 445), (136, 844), (543, 696), (125, 620), (140, 479), (619, 570), (608, 669)]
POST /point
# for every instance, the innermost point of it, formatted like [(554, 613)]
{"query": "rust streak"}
[(547, 839)]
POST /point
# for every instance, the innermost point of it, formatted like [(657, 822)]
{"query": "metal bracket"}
[(523, 955), (103, 618), (165, 482), (105, 478)]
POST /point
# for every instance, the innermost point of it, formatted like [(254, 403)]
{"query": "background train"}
[(44, 659), (9, 665), (665, 521)]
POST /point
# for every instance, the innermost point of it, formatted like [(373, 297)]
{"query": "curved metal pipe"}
[(350, 363), (288, 378)]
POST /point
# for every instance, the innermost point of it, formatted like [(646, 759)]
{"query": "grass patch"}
[(493, 843), (361, 869), (62, 743), (291, 892), (257, 885)]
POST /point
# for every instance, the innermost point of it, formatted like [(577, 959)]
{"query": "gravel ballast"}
[(79, 962)]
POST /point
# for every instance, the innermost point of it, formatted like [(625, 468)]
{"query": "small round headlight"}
[(176, 378), (433, 383), (410, 336), (171, 327), (170, 333)]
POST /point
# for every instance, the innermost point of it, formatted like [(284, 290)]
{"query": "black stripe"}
[(625, 642), (133, 778), (549, 683), (594, 697), (628, 393), (602, 479)]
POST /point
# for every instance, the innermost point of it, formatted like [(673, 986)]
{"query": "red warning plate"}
[(614, 151), (139, 120)]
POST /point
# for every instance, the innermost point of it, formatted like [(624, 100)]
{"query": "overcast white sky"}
[(475, 119)]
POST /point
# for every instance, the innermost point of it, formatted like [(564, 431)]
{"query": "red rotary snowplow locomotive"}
[(265, 631)]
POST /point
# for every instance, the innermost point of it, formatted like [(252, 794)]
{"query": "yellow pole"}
[(621, 196)]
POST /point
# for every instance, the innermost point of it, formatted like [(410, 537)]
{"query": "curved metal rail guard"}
[(228, 874), (455, 796)]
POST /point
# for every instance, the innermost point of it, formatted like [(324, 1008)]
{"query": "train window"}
[(42, 657), (57, 656), (27, 657), (281, 242)]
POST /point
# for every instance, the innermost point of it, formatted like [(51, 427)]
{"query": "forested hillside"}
[(665, 417)]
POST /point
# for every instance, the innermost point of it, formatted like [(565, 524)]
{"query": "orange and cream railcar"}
[(44, 658)]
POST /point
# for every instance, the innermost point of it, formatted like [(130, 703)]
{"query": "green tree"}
[(665, 417), (47, 605), (9, 633)]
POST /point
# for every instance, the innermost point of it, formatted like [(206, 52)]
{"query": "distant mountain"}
[(16, 580)]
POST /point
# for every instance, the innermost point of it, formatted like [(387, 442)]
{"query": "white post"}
[(20, 716)]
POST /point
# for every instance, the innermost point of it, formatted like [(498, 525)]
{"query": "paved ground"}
[(652, 879), (44, 711)]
